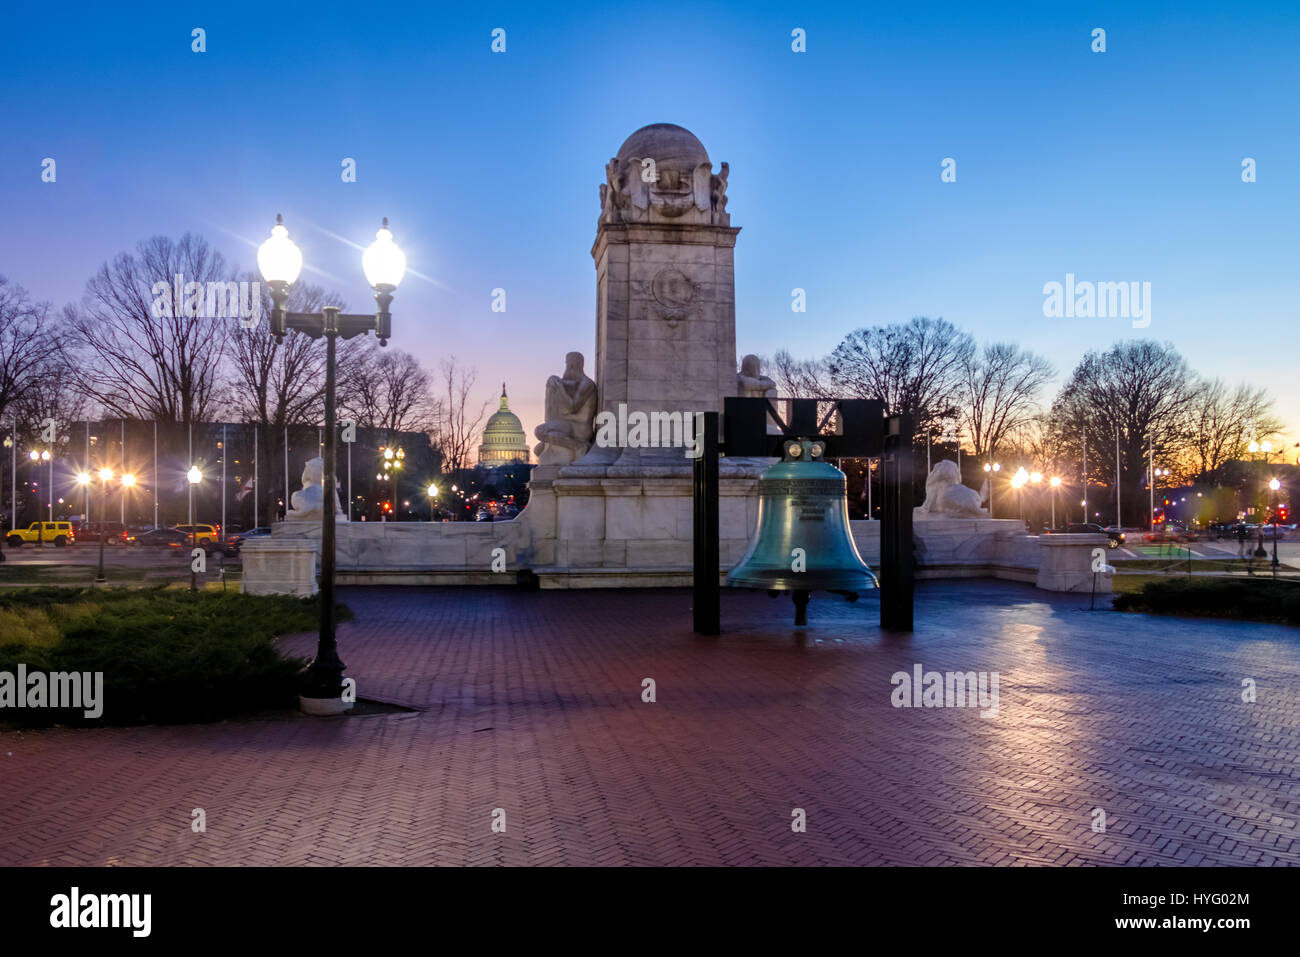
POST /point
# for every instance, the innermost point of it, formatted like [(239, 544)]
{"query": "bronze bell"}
[(804, 542)]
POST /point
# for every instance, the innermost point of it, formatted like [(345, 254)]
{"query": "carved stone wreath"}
[(674, 292)]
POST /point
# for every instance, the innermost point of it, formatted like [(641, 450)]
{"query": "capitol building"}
[(504, 442)]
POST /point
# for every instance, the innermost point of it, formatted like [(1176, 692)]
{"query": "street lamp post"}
[(105, 476), (992, 468), (193, 477), (1018, 483), (433, 500), (1055, 483), (280, 262), (40, 522), (1273, 486), (128, 482)]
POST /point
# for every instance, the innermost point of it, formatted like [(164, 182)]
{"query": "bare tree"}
[(457, 424), (24, 343), (1139, 393), (280, 382), (799, 378), (914, 368), (137, 353), (1224, 421), (387, 388), (277, 384), (1001, 386)]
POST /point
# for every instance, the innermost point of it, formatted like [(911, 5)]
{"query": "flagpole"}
[(225, 450), (286, 469), (255, 475), (121, 462), (155, 473), (1119, 512), (86, 507)]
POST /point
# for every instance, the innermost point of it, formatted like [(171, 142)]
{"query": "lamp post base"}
[(324, 706)]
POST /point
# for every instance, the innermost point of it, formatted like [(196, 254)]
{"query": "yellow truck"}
[(55, 533)]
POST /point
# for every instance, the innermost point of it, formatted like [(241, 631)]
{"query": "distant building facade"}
[(504, 442)]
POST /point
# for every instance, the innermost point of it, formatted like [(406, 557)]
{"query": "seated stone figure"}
[(946, 497), (567, 433), (751, 382), (305, 504)]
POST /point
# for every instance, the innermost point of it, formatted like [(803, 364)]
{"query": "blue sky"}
[(1122, 166)]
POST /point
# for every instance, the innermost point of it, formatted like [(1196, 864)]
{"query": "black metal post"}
[(897, 574), (707, 589), (1273, 509), (100, 578), (194, 538), (325, 676)]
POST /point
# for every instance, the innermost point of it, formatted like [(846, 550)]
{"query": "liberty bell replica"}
[(804, 542)]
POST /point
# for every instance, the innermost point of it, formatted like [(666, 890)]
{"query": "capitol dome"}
[(668, 144), (504, 442)]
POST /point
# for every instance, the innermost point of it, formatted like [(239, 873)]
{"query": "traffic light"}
[(388, 506), (1282, 513)]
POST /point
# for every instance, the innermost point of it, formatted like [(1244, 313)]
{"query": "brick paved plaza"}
[(531, 702)]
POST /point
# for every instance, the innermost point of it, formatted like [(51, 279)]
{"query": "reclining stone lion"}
[(945, 496)]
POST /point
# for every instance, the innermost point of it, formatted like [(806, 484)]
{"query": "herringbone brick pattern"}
[(531, 703)]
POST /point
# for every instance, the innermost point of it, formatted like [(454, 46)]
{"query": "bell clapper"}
[(800, 597)]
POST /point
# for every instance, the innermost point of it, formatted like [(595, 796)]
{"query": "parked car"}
[(1115, 535), (56, 533), (235, 542), (204, 535), (162, 537), (1219, 531), (113, 533)]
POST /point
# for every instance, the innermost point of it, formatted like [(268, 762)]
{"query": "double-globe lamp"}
[(280, 262)]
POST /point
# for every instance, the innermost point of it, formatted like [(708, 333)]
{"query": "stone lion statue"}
[(946, 497), (305, 505)]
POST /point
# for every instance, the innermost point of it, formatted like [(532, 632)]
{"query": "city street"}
[(123, 565)]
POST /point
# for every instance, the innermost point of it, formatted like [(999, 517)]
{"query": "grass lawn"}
[(167, 655), (1251, 599)]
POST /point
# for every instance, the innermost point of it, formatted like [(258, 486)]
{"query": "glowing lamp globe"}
[(106, 475), (128, 480), (383, 263), (83, 478), (278, 258), (194, 475)]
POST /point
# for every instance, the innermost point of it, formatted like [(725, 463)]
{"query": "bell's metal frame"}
[(864, 432)]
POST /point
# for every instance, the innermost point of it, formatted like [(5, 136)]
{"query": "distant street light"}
[(1273, 486), (1018, 482), (432, 491), (991, 467), (43, 456), (1055, 482), (194, 477), (280, 263)]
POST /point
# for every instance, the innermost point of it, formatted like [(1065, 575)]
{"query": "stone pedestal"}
[(1065, 563), (280, 565)]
